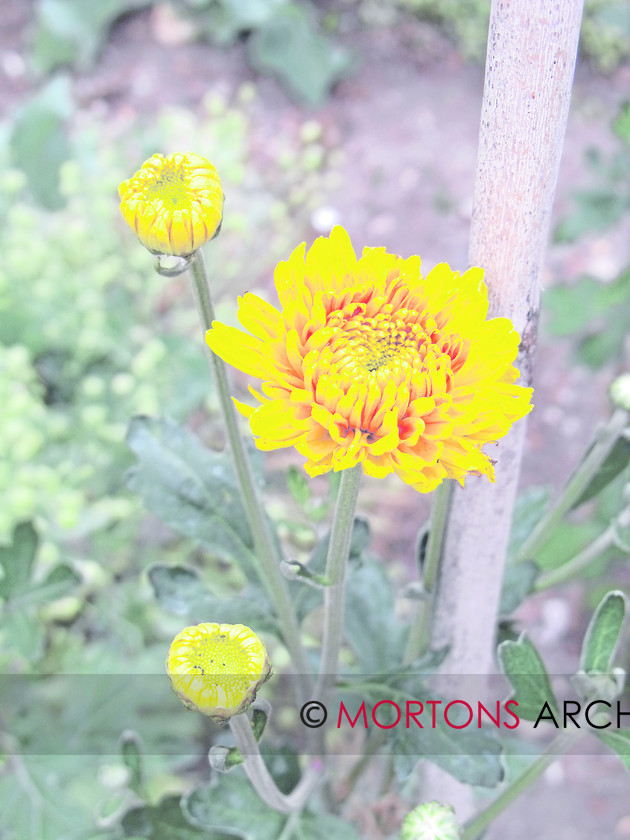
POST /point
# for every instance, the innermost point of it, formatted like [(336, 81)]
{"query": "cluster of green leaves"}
[(597, 677), (284, 37), (552, 541)]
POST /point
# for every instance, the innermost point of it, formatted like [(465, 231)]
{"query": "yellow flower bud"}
[(430, 821), (174, 203), (217, 668)]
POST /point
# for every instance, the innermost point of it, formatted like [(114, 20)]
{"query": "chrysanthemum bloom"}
[(217, 668), (370, 362), (430, 821), (173, 203)]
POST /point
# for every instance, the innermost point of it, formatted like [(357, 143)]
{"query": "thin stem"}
[(265, 554), (578, 563), (420, 631), (604, 441), (584, 558), (336, 562), (558, 746), (261, 779)]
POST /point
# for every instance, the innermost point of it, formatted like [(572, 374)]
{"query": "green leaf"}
[(599, 348), (42, 801), (230, 803), (618, 740), (73, 31), (130, 751), (528, 677), (371, 624), (165, 821), (307, 598), (39, 135), (471, 755), (621, 125), (17, 559), (616, 461), (22, 634), (191, 488), (180, 589), (598, 209), (603, 633), (565, 541), (305, 61)]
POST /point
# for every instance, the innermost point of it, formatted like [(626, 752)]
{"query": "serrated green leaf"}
[(191, 488), (603, 633), (57, 582), (229, 802), (372, 628), (528, 677), (40, 802), (471, 755), (291, 48), (165, 821), (180, 589), (618, 740), (17, 559)]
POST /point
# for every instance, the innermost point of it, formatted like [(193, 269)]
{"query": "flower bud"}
[(217, 668), (430, 821), (174, 204), (620, 391)]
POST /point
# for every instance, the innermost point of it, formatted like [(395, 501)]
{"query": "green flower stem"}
[(579, 563), (584, 558), (336, 562), (560, 745), (265, 551), (420, 631), (261, 779), (603, 443)]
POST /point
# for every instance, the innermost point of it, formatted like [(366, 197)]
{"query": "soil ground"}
[(406, 126)]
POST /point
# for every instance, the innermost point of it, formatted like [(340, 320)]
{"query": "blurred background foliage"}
[(295, 41), (90, 336)]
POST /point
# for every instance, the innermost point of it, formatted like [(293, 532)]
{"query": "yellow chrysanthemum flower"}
[(217, 668), (174, 204), (370, 362)]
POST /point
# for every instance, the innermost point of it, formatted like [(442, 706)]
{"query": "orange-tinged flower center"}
[(368, 361)]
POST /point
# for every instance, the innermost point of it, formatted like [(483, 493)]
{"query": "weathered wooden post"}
[(532, 46)]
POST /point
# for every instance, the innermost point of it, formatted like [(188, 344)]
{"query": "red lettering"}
[(414, 715), (456, 725), (510, 712), (352, 723), (386, 725), (433, 704), (496, 721)]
